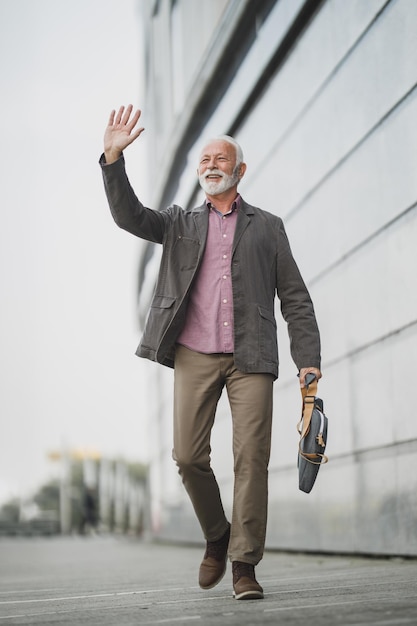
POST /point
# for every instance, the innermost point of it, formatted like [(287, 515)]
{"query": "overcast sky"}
[(68, 374)]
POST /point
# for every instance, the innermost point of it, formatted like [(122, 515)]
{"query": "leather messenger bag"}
[(312, 428)]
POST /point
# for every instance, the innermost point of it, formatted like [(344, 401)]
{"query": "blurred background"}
[(70, 385), (322, 96)]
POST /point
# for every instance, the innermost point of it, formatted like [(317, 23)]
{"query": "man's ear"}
[(242, 170)]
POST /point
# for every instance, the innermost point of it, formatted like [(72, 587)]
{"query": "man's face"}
[(217, 171)]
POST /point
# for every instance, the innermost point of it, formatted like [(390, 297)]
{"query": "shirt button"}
[(224, 301), (224, 235), (225, 323), (224, 277), (225, 256)]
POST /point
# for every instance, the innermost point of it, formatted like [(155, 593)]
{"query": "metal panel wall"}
[(331, 146)]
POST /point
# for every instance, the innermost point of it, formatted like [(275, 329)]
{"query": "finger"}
[(111, 118), (131, 125), (136, 134), (119, 115), (126, 115)]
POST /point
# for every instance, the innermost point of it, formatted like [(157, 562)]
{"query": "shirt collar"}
[(236, 204)]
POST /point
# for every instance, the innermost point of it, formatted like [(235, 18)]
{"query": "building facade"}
[(322, 97)]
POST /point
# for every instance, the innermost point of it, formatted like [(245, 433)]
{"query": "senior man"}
[(212, 320)]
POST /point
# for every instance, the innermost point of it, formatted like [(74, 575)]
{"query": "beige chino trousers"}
[(199, 380)]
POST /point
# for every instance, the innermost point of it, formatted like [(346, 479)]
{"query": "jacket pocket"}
[(186, 253), (268, 342), (162, 302), (161, 313)]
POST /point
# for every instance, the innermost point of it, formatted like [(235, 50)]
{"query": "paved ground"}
[(120, 582)]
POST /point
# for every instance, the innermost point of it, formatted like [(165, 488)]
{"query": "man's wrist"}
[(111, 156)]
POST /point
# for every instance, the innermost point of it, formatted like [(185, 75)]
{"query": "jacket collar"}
[(244, 206)]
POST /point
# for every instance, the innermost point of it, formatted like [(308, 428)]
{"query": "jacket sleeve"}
[(296, 307), (127, 211)]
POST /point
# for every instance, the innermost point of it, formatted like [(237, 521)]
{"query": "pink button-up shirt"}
[(209, 322)]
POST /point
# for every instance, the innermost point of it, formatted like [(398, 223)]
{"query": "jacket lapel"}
[(200, 216), (243, 221)]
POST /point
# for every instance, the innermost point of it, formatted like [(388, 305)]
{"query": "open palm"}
[(120, 132)]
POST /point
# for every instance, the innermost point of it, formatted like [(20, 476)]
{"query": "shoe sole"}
[(249, 595)]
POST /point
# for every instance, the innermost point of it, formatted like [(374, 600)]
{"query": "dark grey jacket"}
[(262, 266)]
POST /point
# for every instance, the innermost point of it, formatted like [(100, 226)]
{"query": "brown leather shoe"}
[(213, 566), (245, 585)]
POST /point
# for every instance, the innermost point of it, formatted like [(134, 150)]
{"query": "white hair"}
[(232, 142)]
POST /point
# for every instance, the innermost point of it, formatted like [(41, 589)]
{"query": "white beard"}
[(213, 188)]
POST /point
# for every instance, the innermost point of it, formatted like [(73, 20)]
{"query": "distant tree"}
[(137, 471), (47, 498), (10, 511)]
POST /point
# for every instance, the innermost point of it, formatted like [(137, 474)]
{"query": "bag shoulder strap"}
[(308, 394)]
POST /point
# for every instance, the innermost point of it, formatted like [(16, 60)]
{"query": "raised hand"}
[(120, 132)]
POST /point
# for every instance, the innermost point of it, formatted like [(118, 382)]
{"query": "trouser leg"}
[(250, 397), (198, 384)]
